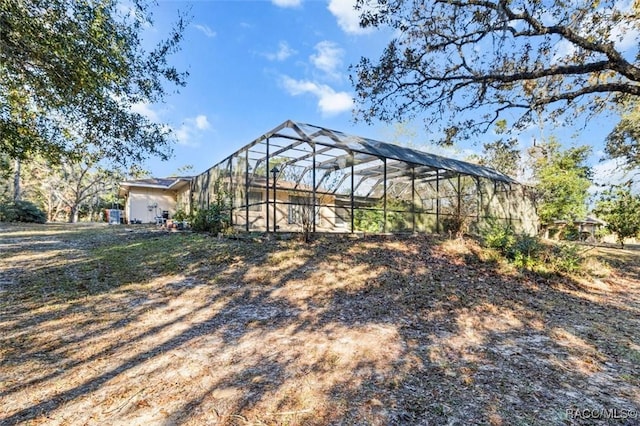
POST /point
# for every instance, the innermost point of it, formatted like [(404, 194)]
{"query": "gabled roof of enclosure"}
[(302, 132)]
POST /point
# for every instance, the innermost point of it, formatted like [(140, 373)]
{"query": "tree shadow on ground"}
[(375, 331)]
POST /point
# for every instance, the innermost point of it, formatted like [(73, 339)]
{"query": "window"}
[(255, 200)]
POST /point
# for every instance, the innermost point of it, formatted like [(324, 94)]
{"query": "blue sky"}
[(255, 63)]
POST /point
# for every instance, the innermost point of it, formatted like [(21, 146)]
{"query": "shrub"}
[(214, 220), (368, 220), (498, 236), (21, 211), (521, 249), (571, 233), (601, 233), (567, 258), (525, 251), (180, 215)]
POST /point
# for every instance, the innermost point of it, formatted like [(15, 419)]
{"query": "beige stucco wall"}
[(139, 200), (257, 219)]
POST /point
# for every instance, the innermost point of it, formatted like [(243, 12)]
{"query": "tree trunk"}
[(73, 214), (16, 181)]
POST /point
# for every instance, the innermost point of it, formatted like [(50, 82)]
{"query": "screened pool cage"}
[(304, 178)]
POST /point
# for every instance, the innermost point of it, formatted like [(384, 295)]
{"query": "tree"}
[(563, 181), (624, 140), (70, 73), (68, 188), (502, 154), (452, 58), (621, 210)]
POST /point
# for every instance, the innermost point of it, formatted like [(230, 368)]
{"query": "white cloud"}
[(201, 122), (625, 37), (562, 51), (190, 129), (287, 3), (205, 30), (348, 17), (328, 58), (612, 172), (145, 110), (183, 135), (330, 102), (284, 52)]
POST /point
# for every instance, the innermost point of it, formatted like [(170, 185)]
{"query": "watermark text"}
[(602, 413)]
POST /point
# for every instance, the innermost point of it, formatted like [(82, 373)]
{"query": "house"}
[(589, 226), (151, 200), (348, 183), (586, 228), (304, 178)]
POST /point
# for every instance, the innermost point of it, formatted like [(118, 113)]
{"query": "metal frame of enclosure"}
[(301, 177)]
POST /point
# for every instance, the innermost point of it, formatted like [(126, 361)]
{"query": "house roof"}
[(344, 147), (592, 220), (172, 183), (589, 220)]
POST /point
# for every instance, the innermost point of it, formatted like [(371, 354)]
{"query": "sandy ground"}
[(119, 326)]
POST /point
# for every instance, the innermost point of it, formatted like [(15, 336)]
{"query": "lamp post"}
[(274, 172)]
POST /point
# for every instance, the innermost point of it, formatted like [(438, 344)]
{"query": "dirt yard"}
[(117, 326)]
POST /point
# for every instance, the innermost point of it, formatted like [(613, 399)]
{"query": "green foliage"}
[(570, 233), (464, 65), (601, 233), (69, 190), (624, 139), (521, 249), (525, 251), (180, 215), (368, 220), (498, 236), (216, 218), (70, 72), (372, 218), (621, 210), (502, 155), (563, 181), (567, 258), (21, 211)]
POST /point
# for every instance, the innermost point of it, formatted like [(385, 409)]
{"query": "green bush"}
[(368, 220), (601, 233), (567, 258), (180, 215), (497, 236), (571, 233), (371, 219), (21, 211), (521, 249), (525, 251), (214, 219)]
